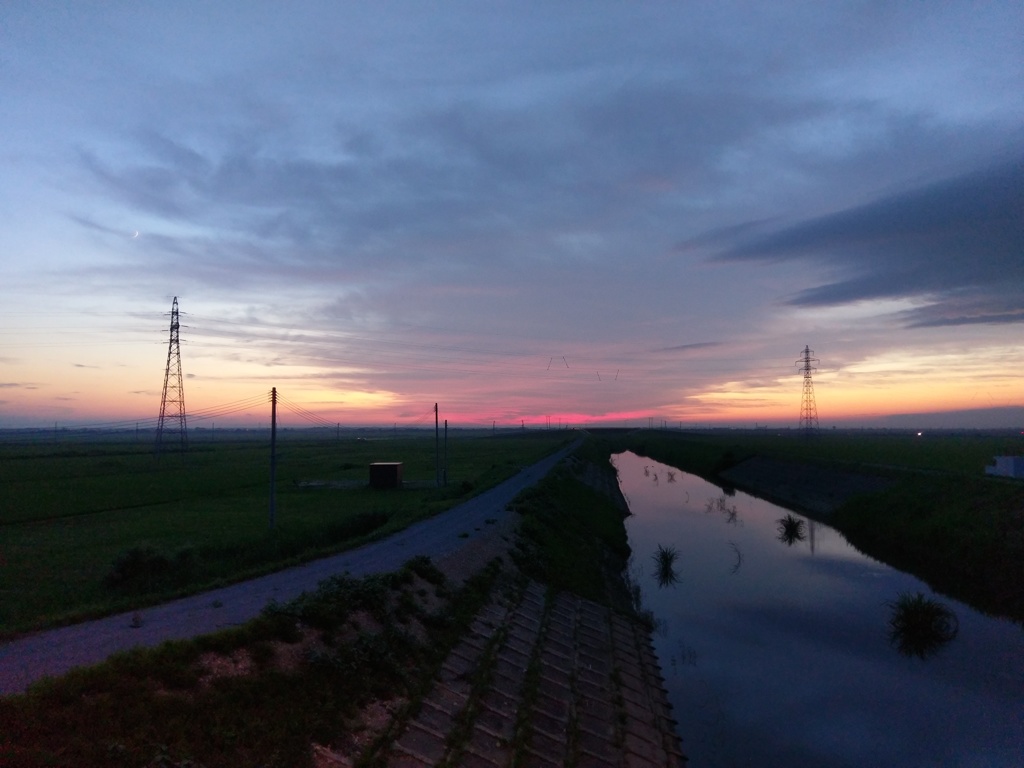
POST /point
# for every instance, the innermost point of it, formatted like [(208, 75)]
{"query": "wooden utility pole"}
[(273, 455)]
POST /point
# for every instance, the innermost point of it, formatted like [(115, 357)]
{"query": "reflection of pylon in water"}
[(808, 409), (172, 427)]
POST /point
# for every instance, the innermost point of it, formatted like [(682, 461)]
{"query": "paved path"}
[(54, 652)]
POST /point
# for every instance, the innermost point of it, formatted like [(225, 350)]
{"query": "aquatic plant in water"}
[(920, 626), (739, 558), (791, 530), (665, 560)]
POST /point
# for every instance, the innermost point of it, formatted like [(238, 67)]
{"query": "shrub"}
[(144, 568)]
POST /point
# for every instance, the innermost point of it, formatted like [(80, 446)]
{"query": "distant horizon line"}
[(1010, 417)]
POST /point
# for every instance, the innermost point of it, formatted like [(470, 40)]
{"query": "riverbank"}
[(961, 532), (518, 646), (819, 491)]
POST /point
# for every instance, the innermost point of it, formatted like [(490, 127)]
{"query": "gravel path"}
[(54, 652)]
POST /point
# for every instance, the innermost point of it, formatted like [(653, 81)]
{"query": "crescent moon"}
[(136, 234)]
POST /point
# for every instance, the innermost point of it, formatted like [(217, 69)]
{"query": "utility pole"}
[(273, 456), (808, 408), (445, 453), (172, 402), (437, 450)]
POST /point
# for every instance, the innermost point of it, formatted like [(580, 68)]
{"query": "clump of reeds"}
[(920, 626), (665, 561), (791, 529)]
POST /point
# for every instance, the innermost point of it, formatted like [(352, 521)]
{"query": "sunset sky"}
[(539, 212)]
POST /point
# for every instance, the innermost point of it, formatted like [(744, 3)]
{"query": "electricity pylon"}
[(808, 409), (172, 403)]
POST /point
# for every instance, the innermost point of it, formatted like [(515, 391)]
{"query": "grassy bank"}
[(940, 519), (571, 535), (90, 529), (320, 670), (263, 694)]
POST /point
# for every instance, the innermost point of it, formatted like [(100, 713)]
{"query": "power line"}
[(298, 410)]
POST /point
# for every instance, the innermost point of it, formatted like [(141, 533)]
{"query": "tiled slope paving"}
[(545, 680)]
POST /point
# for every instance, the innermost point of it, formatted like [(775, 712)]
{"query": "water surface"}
[(778, 654)]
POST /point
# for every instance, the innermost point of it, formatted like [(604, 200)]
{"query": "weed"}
[(791, 529), (146, 569), (920, 626), (664, 560)]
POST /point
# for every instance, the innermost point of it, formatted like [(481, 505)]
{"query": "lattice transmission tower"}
[(808, 408), (172, 428)]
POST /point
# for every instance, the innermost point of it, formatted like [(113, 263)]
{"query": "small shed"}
[(386, 474), (1007, 466)]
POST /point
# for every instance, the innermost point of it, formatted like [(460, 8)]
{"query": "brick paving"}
[(545, 680)]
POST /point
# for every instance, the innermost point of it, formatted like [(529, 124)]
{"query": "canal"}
[(776, 642)]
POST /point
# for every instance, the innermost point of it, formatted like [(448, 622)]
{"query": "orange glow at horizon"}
[(111, 391)]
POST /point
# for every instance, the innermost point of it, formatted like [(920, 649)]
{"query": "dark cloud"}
[(691, 347), (957, 244)]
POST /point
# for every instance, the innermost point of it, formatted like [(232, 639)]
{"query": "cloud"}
[(691, 347), (958, 243)]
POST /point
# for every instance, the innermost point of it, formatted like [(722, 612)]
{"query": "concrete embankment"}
[(548, 680), (544, 678), (541, 676)]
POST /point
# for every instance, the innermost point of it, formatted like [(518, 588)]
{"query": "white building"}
[(1007, 466)]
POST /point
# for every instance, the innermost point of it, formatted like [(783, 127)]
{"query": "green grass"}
[(572, 538), (67, 517), (160, 707), (964, 537)]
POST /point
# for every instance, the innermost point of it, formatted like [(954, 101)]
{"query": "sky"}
[(530, 213)]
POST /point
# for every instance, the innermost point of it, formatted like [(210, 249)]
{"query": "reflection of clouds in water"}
[(685, 655), (795, 638)]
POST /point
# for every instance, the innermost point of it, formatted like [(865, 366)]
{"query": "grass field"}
[(308, 672), (91, 528)]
